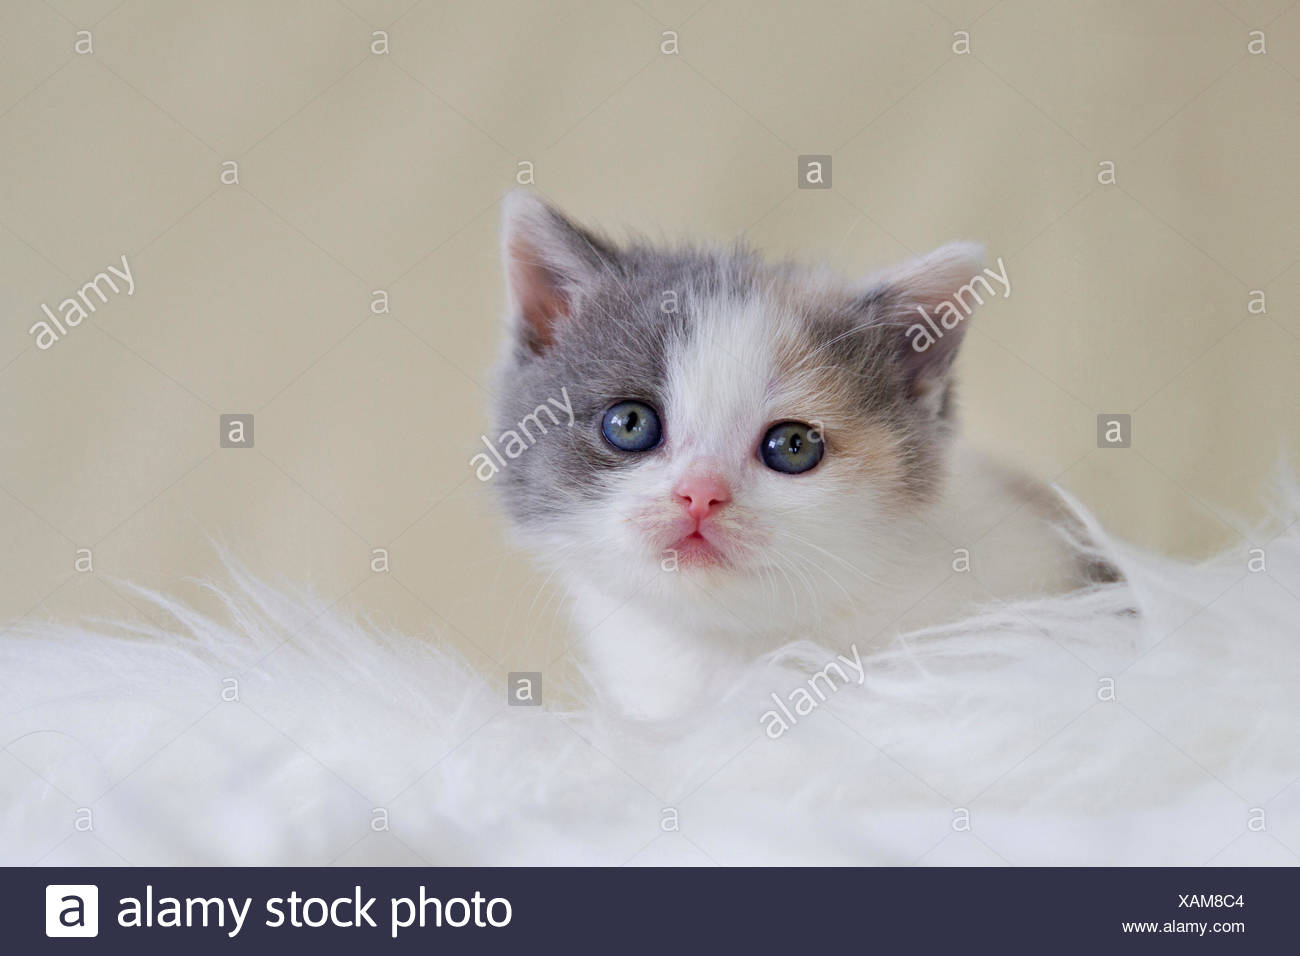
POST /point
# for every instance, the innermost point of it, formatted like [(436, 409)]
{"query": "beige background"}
[(361, 172)]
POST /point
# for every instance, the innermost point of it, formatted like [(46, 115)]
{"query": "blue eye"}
[(631, 426), (791, 447)]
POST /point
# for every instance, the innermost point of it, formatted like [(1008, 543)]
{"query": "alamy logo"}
[(72, 909), (515, 441), (810, 695), (962, 304), (74, 309)]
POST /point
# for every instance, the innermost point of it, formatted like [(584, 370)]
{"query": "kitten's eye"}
[(631, 426), (791, 447)]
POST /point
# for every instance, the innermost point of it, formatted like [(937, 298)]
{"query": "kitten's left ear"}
[(922, 307), (549, 263)]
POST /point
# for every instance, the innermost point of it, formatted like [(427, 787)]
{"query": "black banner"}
[(202, 910)]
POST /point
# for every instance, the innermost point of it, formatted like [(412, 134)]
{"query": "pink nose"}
[(702, 494)]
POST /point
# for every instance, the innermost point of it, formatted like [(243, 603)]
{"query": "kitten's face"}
[(719, 425)]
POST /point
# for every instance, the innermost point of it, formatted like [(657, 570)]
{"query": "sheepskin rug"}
[(1156, 721)]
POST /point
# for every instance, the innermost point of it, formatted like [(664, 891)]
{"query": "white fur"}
[(847, 572), (997, 716)]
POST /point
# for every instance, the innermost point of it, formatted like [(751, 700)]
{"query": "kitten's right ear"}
[(549, 262), (909, 299)]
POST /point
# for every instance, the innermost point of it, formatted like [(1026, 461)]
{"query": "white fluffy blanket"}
[(1053, 731)]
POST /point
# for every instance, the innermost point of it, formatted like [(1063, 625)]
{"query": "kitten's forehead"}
[(726, 373), (753, 357)]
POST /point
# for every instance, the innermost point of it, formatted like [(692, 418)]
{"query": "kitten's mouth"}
[(697, 551)]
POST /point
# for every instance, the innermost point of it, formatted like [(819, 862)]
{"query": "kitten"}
[(755, 454)]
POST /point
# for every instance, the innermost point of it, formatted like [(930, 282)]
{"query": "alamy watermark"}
[(76, 308), (954, 310), (513, 442), (810, 695)]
